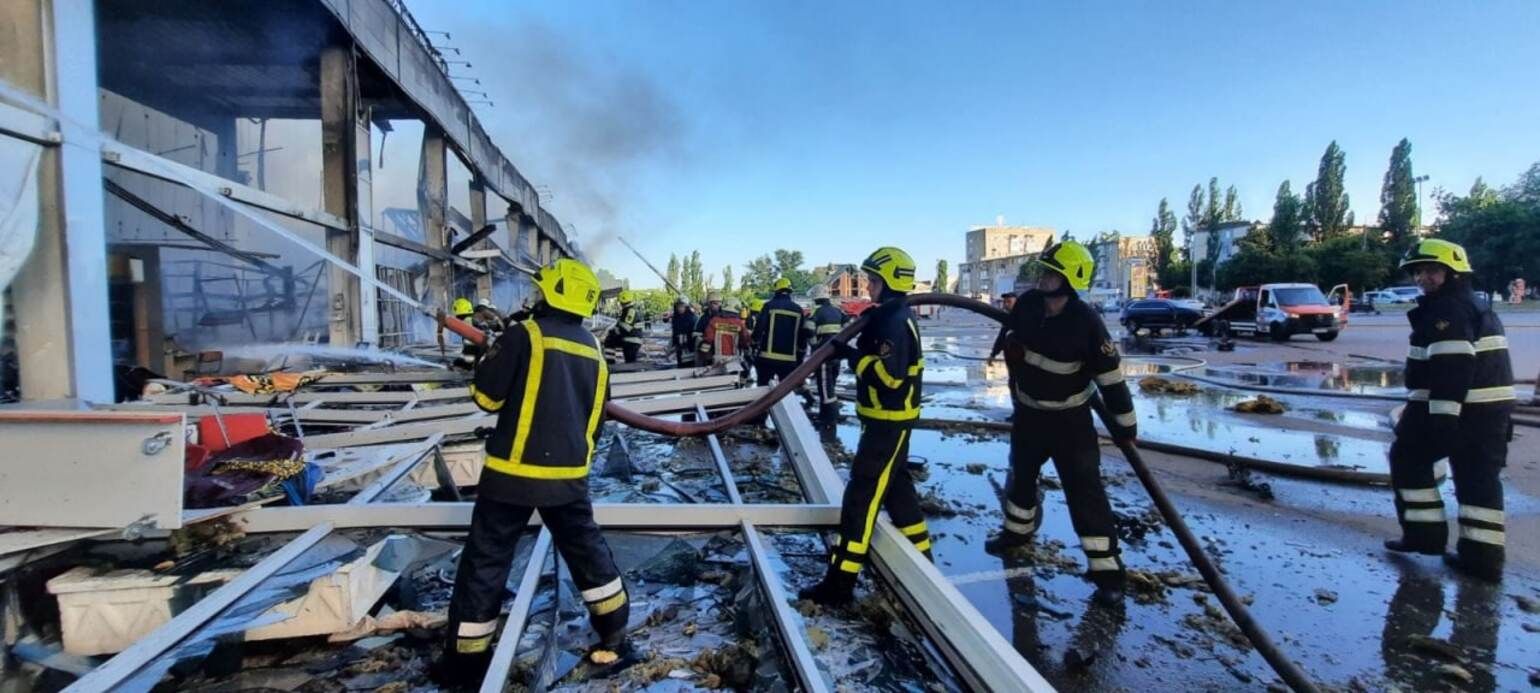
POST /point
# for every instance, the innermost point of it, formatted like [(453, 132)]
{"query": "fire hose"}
[(1286, 668)]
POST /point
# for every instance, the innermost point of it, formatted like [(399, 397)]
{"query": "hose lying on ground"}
[(1287, 670)]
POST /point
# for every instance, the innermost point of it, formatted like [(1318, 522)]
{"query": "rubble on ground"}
[(1262, 404), (1157, 385)]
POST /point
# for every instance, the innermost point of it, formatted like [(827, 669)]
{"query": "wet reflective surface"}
[(1383, 379)]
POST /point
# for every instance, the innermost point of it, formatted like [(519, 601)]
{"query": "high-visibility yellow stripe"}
[(882, 488), (608, 605), (1104, 564), (904, 414), (1056, 405), (531, 392), (1018, 527), (1476, 512), (1417, 353), (476, 630), (1423, 515), (604, 591), (1492, 343), (1043, 362), (1126, 419), (1480, 395), (1419, 495), (473, 645), (593, 415), (913, 530), (828, 329), (1451, 347), (1485, 536), (482, 400), (773, 356), (1096, 543), (882, 376), (1443, 406), (536, 471), (864, 362), (850, 566), (922, 546), (1018, 512), (1110, 378)]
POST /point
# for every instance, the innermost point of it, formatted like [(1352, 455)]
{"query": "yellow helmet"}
[(782, 284), (569, 286), (756, 304), (1437, 250), (1072, 260), (626, 297), (462, 307), (894, 266)]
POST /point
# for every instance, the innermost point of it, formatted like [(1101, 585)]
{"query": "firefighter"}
[(703, 346), (825, 322), (628, 327), (463, 309), (726, 335), (683, 325), (778, 337), (546, 380), (1007, 303), (1460, 390), (1058, 355), (889, 370)]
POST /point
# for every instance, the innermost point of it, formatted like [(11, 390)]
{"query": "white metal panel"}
[(91, 469)]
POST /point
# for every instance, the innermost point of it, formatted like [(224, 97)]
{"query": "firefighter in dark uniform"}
[(628, 326), (1059, 354), (825, 322), (703, 355), (1460, 390), (778, 338), (463, 309), (546, 380), (889, 370), (683, 325)]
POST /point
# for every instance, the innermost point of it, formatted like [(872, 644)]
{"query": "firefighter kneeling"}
[(546, 379), (1058, 354), (1460, 390), (889, 370)]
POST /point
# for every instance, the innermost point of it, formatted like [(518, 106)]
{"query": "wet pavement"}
[(1352, 616)]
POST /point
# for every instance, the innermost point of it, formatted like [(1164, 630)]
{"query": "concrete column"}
[(432, 206), (478, 220), (60, 295), (530, 235), (339, 171)]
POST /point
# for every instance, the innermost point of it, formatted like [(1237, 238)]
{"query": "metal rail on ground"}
[(518, 614)]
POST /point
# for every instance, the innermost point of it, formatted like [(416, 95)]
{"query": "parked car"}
[(1378, 297), (1403, 294), (1156, 314), (1282, 310)]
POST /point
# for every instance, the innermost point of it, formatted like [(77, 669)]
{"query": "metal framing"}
[(518, 614), (787, 621)]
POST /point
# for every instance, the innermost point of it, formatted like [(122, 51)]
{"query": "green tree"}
[(727, 279), (1283, 232), (1345, 260), (694, 279), (1254, 263), (1194, 219), (1329, 200), (1499, 229), (788, 262), (673, 270), (1214, 211), (1232, 208), (758, 275), (941, 277), (1398, 198), (1163, 245)]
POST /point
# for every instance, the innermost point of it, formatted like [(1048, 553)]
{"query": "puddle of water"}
[(1316, 375)]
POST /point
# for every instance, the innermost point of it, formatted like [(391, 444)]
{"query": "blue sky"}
[(736, 128)]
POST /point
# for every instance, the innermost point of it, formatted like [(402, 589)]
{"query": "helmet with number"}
[(894, 266), (819, 293), (626, 297), (1437, 250), (1072, 260), (782, 284), (462, 307), (569, 286)]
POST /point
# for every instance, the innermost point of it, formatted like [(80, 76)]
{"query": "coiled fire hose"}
[(1286, 668)]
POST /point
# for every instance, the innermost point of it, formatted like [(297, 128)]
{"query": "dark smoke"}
[(582, 125)]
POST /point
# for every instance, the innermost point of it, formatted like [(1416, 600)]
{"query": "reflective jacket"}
[(1057, 363), (1458, 362), (706, 315), (888, 365), (724, 336), (825, 322), (546, 380), (778, 332), (683, 325), (628, 325)]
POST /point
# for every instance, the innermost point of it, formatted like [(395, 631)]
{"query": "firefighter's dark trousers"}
[(1476, 457), (630, 349), (1070, 440), (879, 477), (765, 369), (826, 377), (488, 559)]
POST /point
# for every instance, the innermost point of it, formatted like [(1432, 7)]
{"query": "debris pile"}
[(1158, 385), (1261, 405)]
